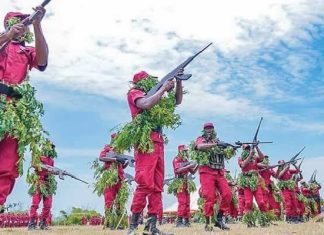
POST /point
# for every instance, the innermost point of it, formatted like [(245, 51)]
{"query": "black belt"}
[(9, 91)]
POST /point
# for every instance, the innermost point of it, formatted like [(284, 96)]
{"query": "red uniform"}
[(301, 204), (15, 61), (184, 196), (241, 201), (290, 200), (111, 192), (317, 196), (37, 197), (268, 197), (210, 180), (248, 193), (149, 168)]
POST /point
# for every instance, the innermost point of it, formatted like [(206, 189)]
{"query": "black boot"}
[(151, 229), (187, 222), (32, 224), (133, 224), (208, 227), (43, 225), (219, 223), (179, 222)]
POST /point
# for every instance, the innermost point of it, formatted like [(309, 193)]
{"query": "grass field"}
[(309, 228)]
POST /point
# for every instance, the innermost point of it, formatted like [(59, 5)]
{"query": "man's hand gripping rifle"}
[(255, 142)]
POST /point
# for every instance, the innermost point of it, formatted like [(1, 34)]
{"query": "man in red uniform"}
[(300, 203), (15, 61), (212, 178), (248, 163), (182, 167), (234, 207), (315, 188), (149, 167), (268, 197), (43, 179), (284, 175), (110, 193)]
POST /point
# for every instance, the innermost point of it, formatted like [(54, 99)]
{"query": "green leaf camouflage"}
[(137, 132), (21, 119)]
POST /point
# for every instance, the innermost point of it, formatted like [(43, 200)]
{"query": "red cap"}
[(208, 125), (113, 135), (9, 15), (245, 146), (281, 161), (140, 76), (182, 148)]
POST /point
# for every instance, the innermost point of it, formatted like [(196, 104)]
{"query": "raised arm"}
[(40, 42), (149, 102)]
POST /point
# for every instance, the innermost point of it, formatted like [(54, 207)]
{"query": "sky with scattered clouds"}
[(266, 60)]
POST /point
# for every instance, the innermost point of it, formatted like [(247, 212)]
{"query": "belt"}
[(216, 166), (9, 91)]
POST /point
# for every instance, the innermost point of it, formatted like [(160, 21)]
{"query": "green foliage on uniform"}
[(138, 131), (27, 37), (104, 178), (250, 218), (46, 187), (302, 198), (116, 216), (21, 120), (176, 186), (248, 180), (202, 157), (276, 193), (286, 184), (48, 149), (265, 218)]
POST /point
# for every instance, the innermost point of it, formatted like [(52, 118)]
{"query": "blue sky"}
[(266, 60)]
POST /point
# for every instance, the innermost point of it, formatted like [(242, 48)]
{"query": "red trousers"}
[(258, 194), (318, 202), (241, 201), (211, 180), (47, 205), (290, 202), (149, 176), (8, 168), (184, 203), (110, 194), (270, 201), (233, 210)]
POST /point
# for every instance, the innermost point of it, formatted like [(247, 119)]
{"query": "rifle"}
[(60, 173), (121, 158), (255, 141), (167, 181), (27, 21), (281, 164), (174, 73), (224, 145), (312, 179), (129, 178)]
